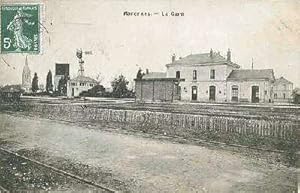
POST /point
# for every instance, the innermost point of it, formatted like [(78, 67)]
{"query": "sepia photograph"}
[(150, 96)]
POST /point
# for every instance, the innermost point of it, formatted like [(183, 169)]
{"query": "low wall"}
[(265, 133)]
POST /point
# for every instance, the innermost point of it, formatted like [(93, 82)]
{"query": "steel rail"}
[(59, 171)]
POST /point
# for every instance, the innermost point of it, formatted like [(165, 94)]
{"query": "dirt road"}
[(137, 164)]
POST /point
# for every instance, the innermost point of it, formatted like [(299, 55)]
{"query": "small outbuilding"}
[(80, 84), (155, 86)]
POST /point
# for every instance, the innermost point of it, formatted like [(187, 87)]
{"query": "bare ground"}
[(17, 174), (139, 164)]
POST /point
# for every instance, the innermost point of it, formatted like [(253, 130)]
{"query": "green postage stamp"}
[(20, 28)]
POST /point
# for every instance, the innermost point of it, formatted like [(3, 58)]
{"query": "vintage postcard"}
[(150, 96)]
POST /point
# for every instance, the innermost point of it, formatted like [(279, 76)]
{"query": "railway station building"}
[(211, 77), (250, 86)]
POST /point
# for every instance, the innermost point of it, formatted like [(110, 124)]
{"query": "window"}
[(283, 95), (266, 92), (235, 91), (284, 86), (194, 74), (73, 84), (177, 74), (212, 74), (275, 96), (91, 85), (81, 84)]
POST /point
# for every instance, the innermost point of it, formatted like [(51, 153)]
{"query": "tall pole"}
[(81, 62), (81, 69)]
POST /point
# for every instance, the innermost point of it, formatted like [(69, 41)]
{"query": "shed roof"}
[(153, 75), (266, 74)]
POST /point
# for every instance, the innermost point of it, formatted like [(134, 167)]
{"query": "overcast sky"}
[(267, 31)]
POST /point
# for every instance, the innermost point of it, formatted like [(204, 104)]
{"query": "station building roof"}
[(203, 59), (249, 74), (282, 80)]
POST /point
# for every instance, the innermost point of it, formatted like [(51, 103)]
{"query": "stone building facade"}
[(282, 90), (205, 75), (79, 84), (211, 77), (250, 86)]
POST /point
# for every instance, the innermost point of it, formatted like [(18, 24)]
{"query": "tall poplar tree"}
[(49, 84), (35, 83)]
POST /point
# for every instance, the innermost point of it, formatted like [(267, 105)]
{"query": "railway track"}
[(246, 110), (58, 171), (3, 190)]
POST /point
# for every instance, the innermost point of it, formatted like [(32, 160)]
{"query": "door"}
[(255, 94), (178, 92), (212, 93), (194, 93), (178, 74), (72, 91)]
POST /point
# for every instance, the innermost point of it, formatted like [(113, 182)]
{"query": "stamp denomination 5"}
[(20, 28)]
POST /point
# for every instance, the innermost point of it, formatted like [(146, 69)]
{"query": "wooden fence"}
[(265, 132)]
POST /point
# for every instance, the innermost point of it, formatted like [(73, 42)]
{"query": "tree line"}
[(119, 87)]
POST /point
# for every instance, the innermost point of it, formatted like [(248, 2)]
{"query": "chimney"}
[(229, 55), (211, 53), (173, 58), (147, 71)]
